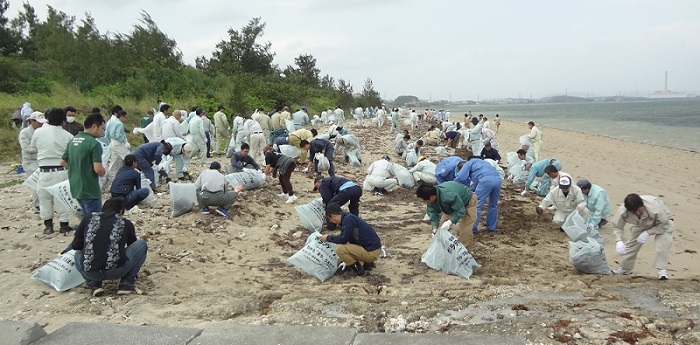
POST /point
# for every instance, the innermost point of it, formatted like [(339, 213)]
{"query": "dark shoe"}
[(125, 290), (205, 210), (354, 270), (222, 211), (186, 175), (602, 223), (48, 227), (97, 290), (368, 266), (65, 229)]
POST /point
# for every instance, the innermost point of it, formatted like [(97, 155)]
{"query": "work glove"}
[(643, 237), (621, 249), (539, 210), (523, 192), (305, 170), (341, 266), (446, 225)]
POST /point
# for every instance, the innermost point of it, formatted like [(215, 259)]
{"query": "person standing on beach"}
[(497, 121), (536, 137), (648, 216), (70, 125), (222, 128)]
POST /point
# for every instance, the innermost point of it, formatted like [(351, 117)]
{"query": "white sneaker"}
[(622, 271), (663, 275), (552, 208), (292, 199), (427, 217)]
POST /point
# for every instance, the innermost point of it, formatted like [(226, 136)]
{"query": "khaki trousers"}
[(537, 145), (662, 243), (350, 253), (465, 225), (257, 144)]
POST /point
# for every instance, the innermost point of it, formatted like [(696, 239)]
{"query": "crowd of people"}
[(455, 190)]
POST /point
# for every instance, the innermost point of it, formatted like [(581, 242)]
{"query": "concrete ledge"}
[(113, 334), (227, 334), (19, 332), (436, 339)]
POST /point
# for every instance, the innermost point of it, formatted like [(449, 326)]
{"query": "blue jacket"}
[(151, 152), (356, 231), (537, 170), (322, 145), (330, 186), (126, 180), (238, 162), (445, 169), (598, 203), (476, 170)]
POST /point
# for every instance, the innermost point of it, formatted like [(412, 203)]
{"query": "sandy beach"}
[(207, 268)]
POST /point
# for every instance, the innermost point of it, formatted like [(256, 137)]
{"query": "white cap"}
[(37, 116)]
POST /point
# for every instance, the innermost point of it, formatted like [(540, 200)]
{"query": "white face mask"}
[(70, 119)]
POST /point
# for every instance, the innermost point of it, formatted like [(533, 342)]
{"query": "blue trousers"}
[(276, 134), (127, 273), (90, 205), (133, 198), (487, 189), (147, 170)]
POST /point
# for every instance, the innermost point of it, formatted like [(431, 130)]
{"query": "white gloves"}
[(305, 170), (446, 225), (342, 266), (643, 237), (621, 249), (523, 192)]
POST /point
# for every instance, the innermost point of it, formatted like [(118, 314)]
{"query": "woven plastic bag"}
[(578, 230), (183, 197), (32, 181), (311, 214), (316, 258), (290, 151), (60, 273), (248, 178), (588, 257), (61, 191), (447, 254), (404, 176)]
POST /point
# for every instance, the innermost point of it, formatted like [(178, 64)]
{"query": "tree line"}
[(36, 55)]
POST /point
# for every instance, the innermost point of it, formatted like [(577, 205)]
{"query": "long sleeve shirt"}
[(103, 238), (151, 152), (157, 124), (535, 134), (238, 125), (355, 230), (277, 122), (197, 127), (238, 162), (492, 154), (452, 198), (28, 156), (211, 180), (598, 202), (330, 186), (171, 128), (476, 170), (264, 121), (537, 170), (115, 130), (49, 142), (220, 122), (445, 169), (126, 180), (564, 203), (425, 166), (655, 219), (251, 127), (301, 118), (381, 168)]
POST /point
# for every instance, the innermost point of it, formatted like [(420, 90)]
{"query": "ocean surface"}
[(670, 123)]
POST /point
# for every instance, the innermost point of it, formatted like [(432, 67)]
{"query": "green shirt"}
[(452, 198), (145, 121), (82, 151)]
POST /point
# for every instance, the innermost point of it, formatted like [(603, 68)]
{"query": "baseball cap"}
[(187, 150), (215, 166), (304, 108), (37, 116), (564, 182)]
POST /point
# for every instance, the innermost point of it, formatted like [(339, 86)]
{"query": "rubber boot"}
[(65, 229), (48, 227)]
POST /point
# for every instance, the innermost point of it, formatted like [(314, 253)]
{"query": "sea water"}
[(670, 123)]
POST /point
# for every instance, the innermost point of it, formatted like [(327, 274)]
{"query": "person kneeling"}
[(106, 248), (127, 183), (211, 191), (357, 243), (566, 198)]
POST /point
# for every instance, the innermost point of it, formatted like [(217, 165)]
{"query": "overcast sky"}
[(444, 49)]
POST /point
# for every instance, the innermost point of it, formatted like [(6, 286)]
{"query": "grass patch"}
[(10, 183)]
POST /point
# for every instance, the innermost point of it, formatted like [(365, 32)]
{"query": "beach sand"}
[(203, 269)]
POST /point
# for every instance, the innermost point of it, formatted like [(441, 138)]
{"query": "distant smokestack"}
[(666, 82)]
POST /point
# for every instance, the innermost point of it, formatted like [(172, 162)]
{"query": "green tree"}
[(344, 94), (150, 45), (9, 39), (308, 73), (370, 97), (241, 53), (328, 83)]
